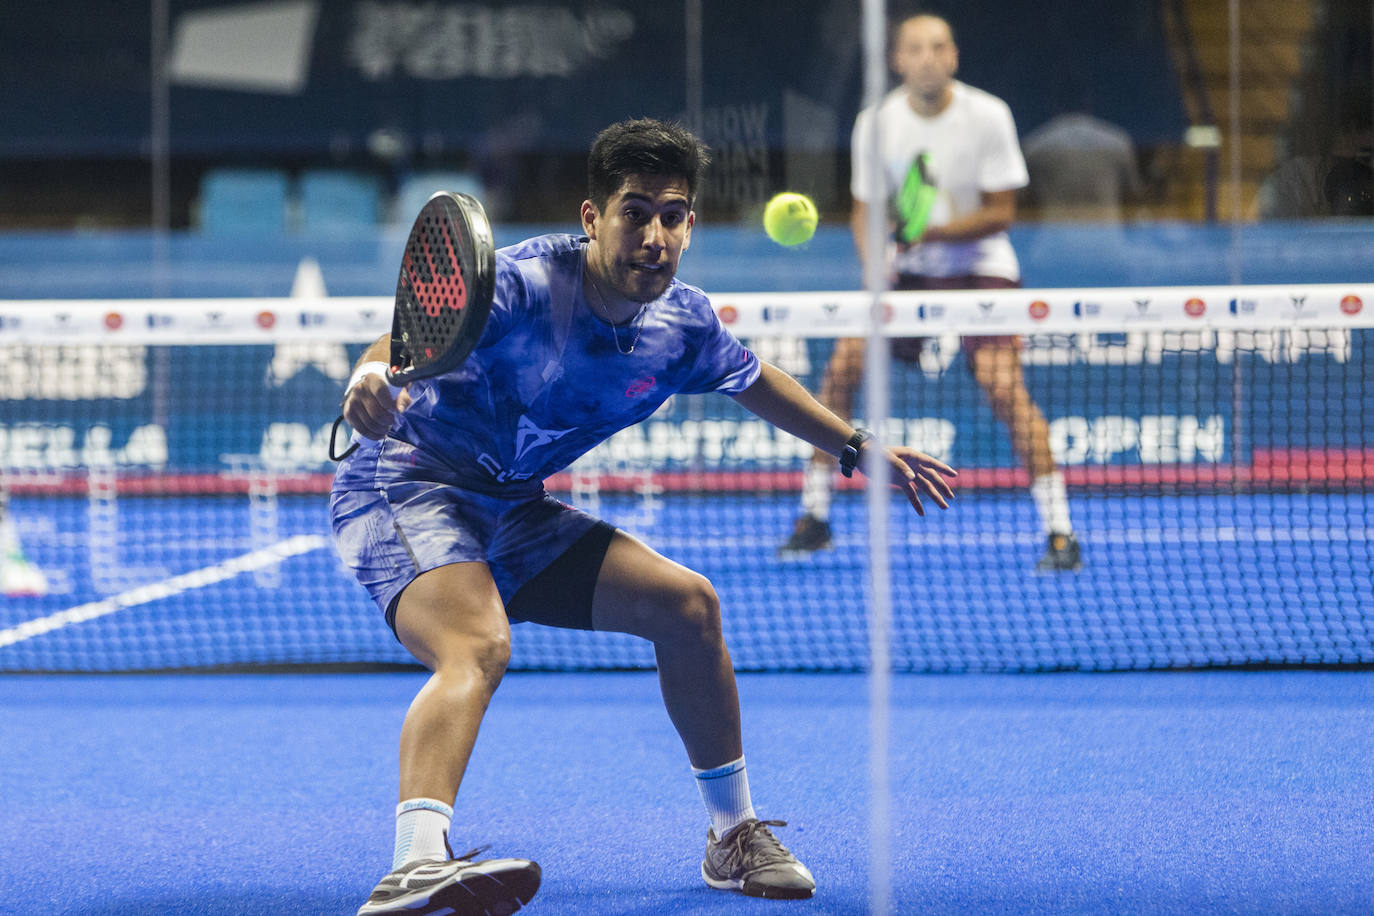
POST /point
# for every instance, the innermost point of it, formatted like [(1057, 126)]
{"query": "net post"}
[(876, 402)]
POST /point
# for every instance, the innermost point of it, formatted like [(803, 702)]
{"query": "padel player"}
[(446, 521), (958, 145)]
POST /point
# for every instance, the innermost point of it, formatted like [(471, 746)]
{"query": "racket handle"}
[(395, 393), (373, 367)]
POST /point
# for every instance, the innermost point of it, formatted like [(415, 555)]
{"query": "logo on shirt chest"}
[(529, 436), (640, 387)]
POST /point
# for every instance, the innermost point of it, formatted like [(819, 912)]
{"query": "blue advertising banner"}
[(308, 77), (1262, 379)]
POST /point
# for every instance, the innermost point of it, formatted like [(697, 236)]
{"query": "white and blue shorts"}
[(544, 555)]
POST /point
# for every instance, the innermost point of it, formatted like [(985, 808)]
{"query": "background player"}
[(959, 143), (447, 524)]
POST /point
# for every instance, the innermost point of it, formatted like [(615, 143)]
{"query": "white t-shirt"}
[(971, 148)]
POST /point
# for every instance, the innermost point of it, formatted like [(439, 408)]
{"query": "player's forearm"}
[(996, 214), (370, 402), (976, 225), (782, 401), (373, 364), (379, 351)]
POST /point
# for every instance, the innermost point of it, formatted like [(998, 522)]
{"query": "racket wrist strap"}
[(371, 367)]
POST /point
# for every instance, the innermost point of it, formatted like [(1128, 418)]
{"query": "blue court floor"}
[(1190, 792)]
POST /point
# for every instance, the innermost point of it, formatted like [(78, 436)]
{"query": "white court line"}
[(144, 594), (1157, 536)]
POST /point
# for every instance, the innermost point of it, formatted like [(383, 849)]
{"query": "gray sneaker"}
[(750, 859), (494, 887), (1062, 555)]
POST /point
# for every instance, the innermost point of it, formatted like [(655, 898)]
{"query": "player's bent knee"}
[(485, 655), (490, 650), (481, 648), (1004, 393), (696, 611)]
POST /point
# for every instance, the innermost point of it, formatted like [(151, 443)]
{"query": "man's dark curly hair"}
[(644, 146)]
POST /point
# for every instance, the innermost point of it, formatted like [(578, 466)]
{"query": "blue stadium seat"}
[(418, 187), (243, 200), (339, 201)]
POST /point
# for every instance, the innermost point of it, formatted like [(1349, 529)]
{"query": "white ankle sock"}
[(817, 486), (1052, 500), (421, 830), (725, 790)]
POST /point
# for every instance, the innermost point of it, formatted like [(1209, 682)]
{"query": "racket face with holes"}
[(445, 288)]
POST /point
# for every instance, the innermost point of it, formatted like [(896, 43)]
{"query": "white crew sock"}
[(421, 831), (1052, 501), (818, 483), (725, 790)]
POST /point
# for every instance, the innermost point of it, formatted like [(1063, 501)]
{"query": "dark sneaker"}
[(1062, 555), (494, 887), (750, 859), (810, 535)]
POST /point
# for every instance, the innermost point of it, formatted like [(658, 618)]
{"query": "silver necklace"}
[(637, 321)]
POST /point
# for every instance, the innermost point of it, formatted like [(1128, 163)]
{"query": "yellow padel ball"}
[(790, 218)]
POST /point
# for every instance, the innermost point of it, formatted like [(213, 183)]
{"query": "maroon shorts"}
[(909, 348)]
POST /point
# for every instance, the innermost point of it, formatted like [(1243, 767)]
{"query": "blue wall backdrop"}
[(723, 258), (529, 75)]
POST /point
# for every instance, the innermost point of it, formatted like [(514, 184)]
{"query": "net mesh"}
[(166, 468)]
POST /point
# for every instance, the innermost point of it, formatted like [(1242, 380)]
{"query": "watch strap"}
[(849, 455)]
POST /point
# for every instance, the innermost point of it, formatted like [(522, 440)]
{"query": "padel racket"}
[(443, 292), (914, 200)]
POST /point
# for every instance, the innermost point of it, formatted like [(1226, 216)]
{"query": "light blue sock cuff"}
[(424, 804), (728, 769)]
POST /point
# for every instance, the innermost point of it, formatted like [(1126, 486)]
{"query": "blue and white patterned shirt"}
[(548, 382)]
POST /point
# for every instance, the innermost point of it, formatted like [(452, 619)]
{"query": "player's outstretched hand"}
[(915, 473), (370, 406)]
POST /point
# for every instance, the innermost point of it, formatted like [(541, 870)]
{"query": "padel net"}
[(1216, 443)]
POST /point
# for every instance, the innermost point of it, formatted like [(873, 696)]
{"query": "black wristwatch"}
[(849, 455)]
